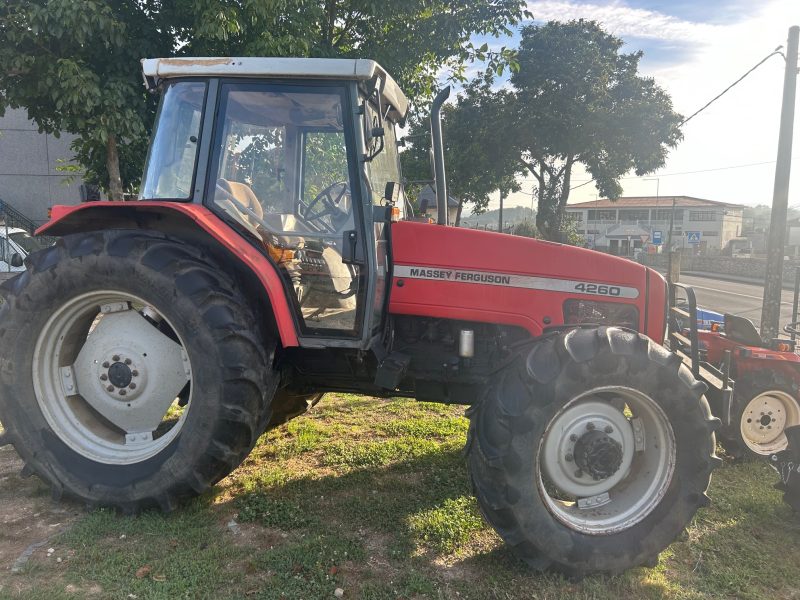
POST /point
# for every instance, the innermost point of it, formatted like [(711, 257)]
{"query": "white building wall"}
[(29, 180)]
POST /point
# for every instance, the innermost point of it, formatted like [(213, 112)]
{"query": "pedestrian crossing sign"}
[(693, 237)]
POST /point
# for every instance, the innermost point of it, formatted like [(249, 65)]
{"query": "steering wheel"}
[(792, 328), (327, 203)]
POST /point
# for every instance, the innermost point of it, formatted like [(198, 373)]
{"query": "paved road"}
[(742, 299)]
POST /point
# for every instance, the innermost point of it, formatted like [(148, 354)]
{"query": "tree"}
[(579, 100), (478, 159), (74, 65), (415, 40)]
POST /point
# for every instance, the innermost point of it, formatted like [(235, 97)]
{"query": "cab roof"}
[(355, 69)]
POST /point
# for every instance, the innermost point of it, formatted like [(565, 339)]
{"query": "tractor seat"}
[(742, 330), (244, 195)]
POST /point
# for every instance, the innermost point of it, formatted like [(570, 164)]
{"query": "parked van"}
[(15, 241)]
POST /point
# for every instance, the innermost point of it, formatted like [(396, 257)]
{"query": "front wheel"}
[(592, 453), (132, 374), (764, 406)]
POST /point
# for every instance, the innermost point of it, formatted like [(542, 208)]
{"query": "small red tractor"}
[(273, 257), (765, 399)]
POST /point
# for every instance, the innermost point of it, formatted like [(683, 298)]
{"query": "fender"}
[(180, 218)]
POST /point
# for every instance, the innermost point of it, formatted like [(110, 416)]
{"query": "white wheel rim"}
[(106, 379), (765, 419), (601, 498)]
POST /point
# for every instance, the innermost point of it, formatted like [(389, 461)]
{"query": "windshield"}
[(26, 241), (169, 172)]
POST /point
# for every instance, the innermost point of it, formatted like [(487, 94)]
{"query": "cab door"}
[(381, 167)]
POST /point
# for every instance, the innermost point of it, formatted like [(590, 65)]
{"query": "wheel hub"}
[(598, 454), (120, 375), (588, 449)]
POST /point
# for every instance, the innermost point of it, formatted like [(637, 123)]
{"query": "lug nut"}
[(106, 364), (135, 373), (573, 438), (609, 429), (568, 457), (128, 361), (578, 473), (590, 426), (110, 388), (122, 392), (115, 358), (103, 377), (132, 386)]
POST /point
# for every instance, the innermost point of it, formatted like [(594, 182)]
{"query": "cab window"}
[(281, 173)]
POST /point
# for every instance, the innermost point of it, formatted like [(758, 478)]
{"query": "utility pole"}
[(500, 222), (771, 306)]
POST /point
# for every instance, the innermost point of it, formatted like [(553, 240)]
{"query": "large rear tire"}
[(131, 372), (591, 453), (765, 404)]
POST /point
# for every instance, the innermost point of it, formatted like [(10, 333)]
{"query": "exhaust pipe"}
[(438, 154)]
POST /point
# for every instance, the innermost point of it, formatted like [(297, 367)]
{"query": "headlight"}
[(577, 312)]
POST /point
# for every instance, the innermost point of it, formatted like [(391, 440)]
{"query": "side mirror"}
[(16, 260)]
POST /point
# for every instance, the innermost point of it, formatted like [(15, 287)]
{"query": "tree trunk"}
[(458, 213), (112, 166)]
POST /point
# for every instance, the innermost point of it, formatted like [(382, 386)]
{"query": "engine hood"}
[(494, 277)]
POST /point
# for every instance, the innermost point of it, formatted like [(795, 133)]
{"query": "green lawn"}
[(371, 496)]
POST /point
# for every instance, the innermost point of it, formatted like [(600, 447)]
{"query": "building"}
[(29, 179), (426, 201), (621, 226)]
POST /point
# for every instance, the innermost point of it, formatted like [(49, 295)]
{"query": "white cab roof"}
[(358, 69)]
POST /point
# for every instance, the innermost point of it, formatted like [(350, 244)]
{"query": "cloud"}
[(625, 21)]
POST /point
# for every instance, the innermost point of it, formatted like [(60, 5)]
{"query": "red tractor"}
[(273, 257), (765, 399)]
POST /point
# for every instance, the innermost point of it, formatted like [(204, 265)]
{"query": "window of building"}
[(575, 216), (665, 214), (634, 214), (702, 215), (711, 234), (602, 215)]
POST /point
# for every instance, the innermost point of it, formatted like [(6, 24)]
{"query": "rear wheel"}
[(132, 375), (764, 406), (593, 452)]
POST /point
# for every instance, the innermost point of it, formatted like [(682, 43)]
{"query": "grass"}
[(372, 497)]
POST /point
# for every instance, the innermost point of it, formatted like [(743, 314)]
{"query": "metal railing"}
[(716, 377), (14, 218)]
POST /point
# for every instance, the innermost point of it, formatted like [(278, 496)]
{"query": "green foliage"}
[(579, 100), (75, 65), (526, 228), (478, 159)]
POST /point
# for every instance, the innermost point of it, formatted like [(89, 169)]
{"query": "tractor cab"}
[(297, 155)]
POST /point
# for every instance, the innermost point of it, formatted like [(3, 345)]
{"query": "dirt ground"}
[(28, 516)]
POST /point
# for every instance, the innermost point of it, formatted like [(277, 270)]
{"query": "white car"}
[(15, 241)]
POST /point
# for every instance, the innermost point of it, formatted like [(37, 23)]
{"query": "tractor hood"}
[(471, 275)]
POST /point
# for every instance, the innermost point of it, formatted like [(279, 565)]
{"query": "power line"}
[(727, 89), (652, 175), (705, 106)]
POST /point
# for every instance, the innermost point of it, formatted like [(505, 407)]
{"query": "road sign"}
[(644, 237), (693, 237), (657, 237)]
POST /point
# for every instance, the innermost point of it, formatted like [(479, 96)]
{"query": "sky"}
[(694, 49)]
